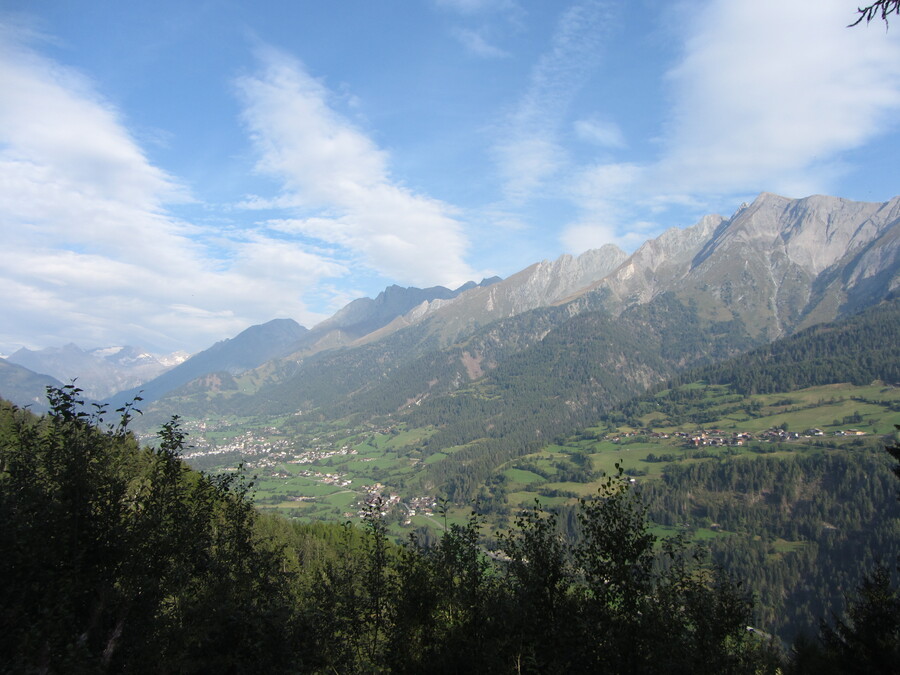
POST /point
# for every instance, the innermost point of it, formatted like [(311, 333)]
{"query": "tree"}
[(881, 9), (868, 641), (648, 605), (117, 558), (894, 451)]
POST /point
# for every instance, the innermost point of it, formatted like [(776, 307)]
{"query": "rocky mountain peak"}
[(813, 233)]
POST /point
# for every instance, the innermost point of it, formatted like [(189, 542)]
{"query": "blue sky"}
[(173, 172)]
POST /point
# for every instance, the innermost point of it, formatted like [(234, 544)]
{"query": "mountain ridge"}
[(742, 269), (776, 265), (23, 387)]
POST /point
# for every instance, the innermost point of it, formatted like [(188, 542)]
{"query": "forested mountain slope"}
[(770, 459), (247, 350), (860, 349)]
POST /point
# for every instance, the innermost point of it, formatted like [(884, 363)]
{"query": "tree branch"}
[(881, 9)]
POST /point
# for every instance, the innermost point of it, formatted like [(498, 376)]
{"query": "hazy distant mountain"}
[(285, 338), (249, 349), (100, 372), (25, 387)]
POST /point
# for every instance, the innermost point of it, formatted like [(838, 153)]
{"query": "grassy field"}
[(394, 457), (824, 408)]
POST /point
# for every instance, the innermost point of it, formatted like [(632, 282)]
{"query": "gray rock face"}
[(540, 285), (812, 233), (365, 315), (548, 283), (777, 264), (659, 263)]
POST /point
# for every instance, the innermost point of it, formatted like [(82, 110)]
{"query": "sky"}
[(174, 172)]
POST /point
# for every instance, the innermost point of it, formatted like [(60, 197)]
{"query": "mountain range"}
[(742, 372), (687, 297)]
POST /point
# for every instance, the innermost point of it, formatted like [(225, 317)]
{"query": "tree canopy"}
[(119, 558)]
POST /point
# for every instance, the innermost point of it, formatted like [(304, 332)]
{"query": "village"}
[(268, 454), (271, 456), (377, 503), (719, 438)]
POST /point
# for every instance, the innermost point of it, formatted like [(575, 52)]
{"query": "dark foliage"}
[(869, 640), (860, 349), (881, 9), (117, 558)]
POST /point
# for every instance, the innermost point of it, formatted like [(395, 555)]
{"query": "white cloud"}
[(598, 190), (767, 95), (90, 251), (770, 91), (334, 170), (475, 6), (604, 134), (528, 151), (588, 234), (594, 186), (581, 237), (526, 162), (43, 104), (476, 44)]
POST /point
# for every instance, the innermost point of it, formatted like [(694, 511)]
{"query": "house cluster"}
[(719, 438), (715, 438), (318, 454), (383, 503), (423, 505), (375, 500), (339, 479), (249, 443)]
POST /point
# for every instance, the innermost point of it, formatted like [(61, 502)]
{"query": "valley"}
[(741, 386), (458, 336), (327, 474), (780, 487)]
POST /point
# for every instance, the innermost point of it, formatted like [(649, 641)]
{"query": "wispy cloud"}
[(768, 95), (475, 6), (91, 251), (530, 151), (476, 44), (769, 92), (341, 179), (600, 133)]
